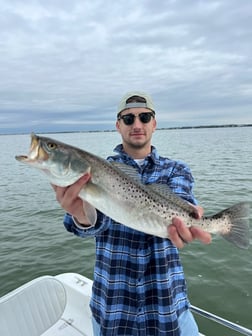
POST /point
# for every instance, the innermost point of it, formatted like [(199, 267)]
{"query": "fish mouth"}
[(36, 152), (21, 157)]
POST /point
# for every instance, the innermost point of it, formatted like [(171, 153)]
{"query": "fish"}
[(115, 189)]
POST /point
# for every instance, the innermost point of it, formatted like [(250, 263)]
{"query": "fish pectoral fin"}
[(90, 213)]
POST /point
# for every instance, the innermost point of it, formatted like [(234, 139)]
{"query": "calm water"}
[(33, 240)]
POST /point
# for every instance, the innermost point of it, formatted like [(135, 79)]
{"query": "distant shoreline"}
[(208, 126), (159, 128)]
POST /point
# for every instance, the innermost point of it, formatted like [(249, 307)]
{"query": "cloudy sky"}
[(64, 65)]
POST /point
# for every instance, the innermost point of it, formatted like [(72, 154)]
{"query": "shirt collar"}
[(153, 156)]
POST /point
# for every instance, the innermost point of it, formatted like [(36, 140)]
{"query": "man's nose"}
[(137, 122)]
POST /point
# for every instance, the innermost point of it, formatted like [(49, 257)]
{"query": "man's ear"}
[(118, 126), (154, 125)]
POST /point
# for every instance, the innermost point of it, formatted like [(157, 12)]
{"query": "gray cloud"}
[(64, 65)]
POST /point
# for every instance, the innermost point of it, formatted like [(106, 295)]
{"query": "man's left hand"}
[(181, 235)]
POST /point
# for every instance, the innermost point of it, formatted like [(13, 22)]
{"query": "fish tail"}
[(238, 232)]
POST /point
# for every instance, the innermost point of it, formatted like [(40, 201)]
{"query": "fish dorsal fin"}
[(128, 170), (161, 189), (164, 191)]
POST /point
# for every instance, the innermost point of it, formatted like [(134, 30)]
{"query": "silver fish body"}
[(116, 191)]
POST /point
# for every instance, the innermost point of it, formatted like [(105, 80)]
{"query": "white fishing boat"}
[(59, 306)]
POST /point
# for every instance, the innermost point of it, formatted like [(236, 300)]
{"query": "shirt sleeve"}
[(84, 232), (181, 182)]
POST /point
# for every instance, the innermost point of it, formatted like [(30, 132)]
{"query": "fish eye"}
[(51, 145)]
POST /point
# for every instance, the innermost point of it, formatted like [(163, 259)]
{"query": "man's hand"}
[(68, 198), (180, 234)]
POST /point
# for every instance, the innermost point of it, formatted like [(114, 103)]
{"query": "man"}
[(139, 286)]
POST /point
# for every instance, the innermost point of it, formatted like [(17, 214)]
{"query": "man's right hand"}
[(68, 198)]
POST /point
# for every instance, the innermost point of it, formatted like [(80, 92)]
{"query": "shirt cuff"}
[(82, 226)]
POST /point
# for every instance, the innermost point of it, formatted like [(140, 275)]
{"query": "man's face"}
[(136, 134)]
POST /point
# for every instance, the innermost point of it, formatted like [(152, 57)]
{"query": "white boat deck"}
[(59, 306)]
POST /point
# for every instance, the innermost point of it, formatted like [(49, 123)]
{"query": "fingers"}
[(68, 196), (198, 233), (198, 211), (179, 234), (201, 235)]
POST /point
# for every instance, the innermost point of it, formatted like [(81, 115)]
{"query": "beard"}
[(137, 144)]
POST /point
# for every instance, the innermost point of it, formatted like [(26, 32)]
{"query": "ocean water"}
[(34, 242)]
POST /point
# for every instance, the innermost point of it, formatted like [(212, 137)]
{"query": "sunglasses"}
[(129, 119)]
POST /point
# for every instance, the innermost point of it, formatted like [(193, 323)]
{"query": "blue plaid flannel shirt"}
[(139, 286)]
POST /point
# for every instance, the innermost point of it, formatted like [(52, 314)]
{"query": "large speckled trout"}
[(115, 190)]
